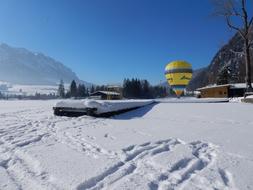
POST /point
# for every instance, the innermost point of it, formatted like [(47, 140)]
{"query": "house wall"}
[(113, 97), (215, 92)]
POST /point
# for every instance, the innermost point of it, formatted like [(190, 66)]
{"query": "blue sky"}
[(105, 41)]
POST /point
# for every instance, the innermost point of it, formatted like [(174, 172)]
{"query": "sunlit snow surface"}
[(160, 146)]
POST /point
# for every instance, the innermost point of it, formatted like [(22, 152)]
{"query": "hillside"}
[(21, 66), (227, 56)]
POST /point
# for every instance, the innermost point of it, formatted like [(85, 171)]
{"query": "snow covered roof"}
[(106, 93), (232, 86), (239, 85), (251, 97), (213, 86)]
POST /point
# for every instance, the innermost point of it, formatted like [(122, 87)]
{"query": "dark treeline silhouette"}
[(136, 88), (98, 88), (76, 91)]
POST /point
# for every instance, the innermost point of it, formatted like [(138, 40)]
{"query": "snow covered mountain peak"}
[(19, 65)]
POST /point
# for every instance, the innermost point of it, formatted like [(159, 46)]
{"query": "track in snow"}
[(164, 164), (21, 130), (139, 168)]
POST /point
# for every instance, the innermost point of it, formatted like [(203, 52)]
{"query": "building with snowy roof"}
[(105, 95), (223, 91)]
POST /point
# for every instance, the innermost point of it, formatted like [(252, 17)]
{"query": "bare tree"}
[(232, 10)]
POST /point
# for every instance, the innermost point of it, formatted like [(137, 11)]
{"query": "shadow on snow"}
[(139, 112)]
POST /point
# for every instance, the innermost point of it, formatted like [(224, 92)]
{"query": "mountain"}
[(226, 57), (21, 66), (199, 79)]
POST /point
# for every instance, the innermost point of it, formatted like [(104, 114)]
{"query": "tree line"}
[(132, 88), (98, 88), (77, 91), (141, 89)]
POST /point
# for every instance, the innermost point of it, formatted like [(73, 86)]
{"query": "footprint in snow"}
[(109, 136), (165, 164)]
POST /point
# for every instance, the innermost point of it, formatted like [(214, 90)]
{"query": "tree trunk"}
[(247, 47), (248, 67)]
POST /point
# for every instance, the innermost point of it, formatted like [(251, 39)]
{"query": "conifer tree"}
[(81, 90), (73, 89), (61, 90)]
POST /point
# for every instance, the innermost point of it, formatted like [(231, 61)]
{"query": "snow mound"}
[(248, 99), (236, 99), (103, 106), (251, 97)]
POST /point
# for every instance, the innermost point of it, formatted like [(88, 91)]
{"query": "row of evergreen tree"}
[(77, 91), (136, 88), (98, 88), (132, 88)]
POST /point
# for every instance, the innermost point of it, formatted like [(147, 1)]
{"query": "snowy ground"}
[(162, 146), (27, 90)]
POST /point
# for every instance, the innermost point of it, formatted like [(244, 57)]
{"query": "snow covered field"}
[(26, 90), (160, 146)]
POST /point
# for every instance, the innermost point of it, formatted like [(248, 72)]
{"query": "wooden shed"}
[(223, 91), (217, 91)]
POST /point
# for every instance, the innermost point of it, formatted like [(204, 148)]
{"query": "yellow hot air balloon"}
[(178, 75)]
